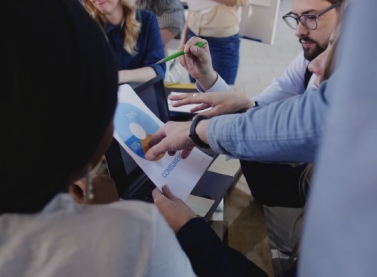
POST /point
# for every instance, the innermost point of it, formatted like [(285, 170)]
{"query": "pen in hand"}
[(200, 44)]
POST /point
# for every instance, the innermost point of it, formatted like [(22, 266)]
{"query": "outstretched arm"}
[(285, 131), (208, 255)]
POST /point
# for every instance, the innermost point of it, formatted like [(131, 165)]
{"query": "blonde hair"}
[(130, 25)]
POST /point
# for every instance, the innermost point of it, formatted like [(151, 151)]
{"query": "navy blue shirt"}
[(150, 47), (209, 256)]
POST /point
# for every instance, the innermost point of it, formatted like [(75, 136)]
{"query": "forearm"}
[(136, 75), (285, 131), (201, 130)]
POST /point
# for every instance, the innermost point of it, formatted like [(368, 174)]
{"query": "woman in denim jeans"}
[(219, 25)]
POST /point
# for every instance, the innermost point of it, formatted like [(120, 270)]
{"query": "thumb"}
[(197, 51), (167, 192)]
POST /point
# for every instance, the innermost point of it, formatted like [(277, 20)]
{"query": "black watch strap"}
[(194, 136)]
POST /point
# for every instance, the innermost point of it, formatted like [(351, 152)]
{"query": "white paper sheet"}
[(197, 5), (134, 126), (185, 108)]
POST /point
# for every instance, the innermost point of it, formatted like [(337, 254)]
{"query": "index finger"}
[(180, 96), (156, 150), (158, 136), (191, 42), (199, 99)]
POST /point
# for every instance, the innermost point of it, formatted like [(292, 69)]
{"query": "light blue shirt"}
[(340, 226), (284, 131)]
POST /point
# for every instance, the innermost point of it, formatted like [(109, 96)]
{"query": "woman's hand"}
[(174, 210)]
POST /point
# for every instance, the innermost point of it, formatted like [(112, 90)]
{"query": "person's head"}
[(58, 100), (314, 21), (322, 65), (117, 12)]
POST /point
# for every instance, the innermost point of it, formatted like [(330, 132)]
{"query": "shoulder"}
[(128, 210), (146, 15), (148, 19)]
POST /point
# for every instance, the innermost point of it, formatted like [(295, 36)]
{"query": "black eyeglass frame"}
[(309, 16)]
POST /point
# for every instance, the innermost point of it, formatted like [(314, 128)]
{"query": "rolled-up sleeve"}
[(284, 131)]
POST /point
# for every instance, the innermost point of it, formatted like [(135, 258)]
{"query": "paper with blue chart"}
[(134, 126)]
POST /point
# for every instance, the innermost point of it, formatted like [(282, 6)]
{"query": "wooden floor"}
[(246, 230)]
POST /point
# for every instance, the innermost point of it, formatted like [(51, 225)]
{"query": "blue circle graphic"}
[(125, 115)]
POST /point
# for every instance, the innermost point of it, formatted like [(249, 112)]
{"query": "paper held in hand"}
[(135, 124)]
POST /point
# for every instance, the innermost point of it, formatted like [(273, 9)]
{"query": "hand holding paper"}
[(174, 210)]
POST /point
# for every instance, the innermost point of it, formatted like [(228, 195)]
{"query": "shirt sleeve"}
[(284, 131), (210, 256), (219, 86), (155, 49), (291, 83), (340, 220)]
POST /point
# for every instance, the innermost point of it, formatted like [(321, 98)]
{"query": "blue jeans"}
[(225, 54)]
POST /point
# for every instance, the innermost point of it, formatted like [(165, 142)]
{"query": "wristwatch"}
[(194, 136)]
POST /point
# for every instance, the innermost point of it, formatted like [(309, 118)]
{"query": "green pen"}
[(200, 44)]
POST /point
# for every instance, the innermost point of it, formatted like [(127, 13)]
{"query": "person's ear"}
[(76, 193)]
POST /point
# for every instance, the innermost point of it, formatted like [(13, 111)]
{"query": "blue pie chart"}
[(127, 116)]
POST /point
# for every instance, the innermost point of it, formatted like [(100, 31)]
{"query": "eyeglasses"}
[(309, 21)]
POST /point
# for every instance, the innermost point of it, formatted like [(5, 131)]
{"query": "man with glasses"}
[(314, 21), (277, 185)]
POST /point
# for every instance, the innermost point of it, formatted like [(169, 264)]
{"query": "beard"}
[(312, 53)]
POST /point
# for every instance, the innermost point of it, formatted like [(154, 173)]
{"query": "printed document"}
[(135, 124)]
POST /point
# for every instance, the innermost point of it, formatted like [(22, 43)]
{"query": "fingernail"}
[(165, 187), (148, 156)]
